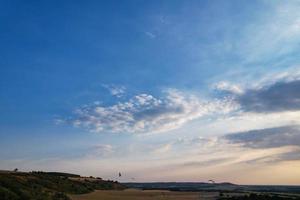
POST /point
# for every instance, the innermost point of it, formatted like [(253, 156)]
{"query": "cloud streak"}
[(117, 91), (145, 113), (283, 141), (276, 33), (267, 138), (101, 150)]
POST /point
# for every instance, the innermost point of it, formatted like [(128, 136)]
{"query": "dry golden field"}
[(132, 194)]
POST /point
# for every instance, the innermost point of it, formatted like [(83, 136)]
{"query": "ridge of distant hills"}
[(205, 186), (49, 185)]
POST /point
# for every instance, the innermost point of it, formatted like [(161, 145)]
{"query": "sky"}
[(157, 90)]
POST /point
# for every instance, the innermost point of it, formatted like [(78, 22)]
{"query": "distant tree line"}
[(254, 196)]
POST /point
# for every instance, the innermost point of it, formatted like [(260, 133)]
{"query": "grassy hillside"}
[(49, 185)]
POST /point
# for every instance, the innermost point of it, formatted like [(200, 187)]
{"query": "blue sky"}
[(182, 87)]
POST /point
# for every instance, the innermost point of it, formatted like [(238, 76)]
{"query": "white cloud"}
[(150, 35), (114, 90), (288, 75), (144, 113), (228, 87)]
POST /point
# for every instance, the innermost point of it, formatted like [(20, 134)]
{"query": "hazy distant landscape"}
[(64, 186), (167, 195), (227, 187)]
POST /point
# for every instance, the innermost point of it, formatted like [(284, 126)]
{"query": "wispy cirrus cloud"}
[(227, 87), (101, 150), (150, 34), (145, 113), (275, 33), (117, 91)]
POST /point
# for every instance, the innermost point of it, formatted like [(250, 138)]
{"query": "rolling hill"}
[(49, 185)]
